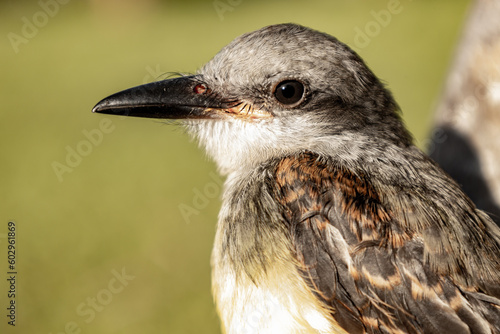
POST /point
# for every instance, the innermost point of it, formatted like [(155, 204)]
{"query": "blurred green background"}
[(80, 221)]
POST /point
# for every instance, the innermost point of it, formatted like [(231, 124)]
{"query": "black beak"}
[(178, 98)]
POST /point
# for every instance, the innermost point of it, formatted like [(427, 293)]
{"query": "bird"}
[(332, 219)]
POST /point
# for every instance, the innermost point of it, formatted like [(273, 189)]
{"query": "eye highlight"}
[(289, 92)]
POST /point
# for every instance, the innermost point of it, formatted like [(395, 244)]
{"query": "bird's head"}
[(275, 91)]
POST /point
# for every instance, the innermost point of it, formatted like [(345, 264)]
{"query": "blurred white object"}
[(466, 140)]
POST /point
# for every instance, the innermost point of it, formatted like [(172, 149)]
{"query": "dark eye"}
[(289, 92)]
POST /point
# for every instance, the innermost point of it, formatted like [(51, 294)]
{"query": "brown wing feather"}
[(362, 263)]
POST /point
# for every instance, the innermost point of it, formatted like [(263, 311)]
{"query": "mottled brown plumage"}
[(384, 262), (332, 221)]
